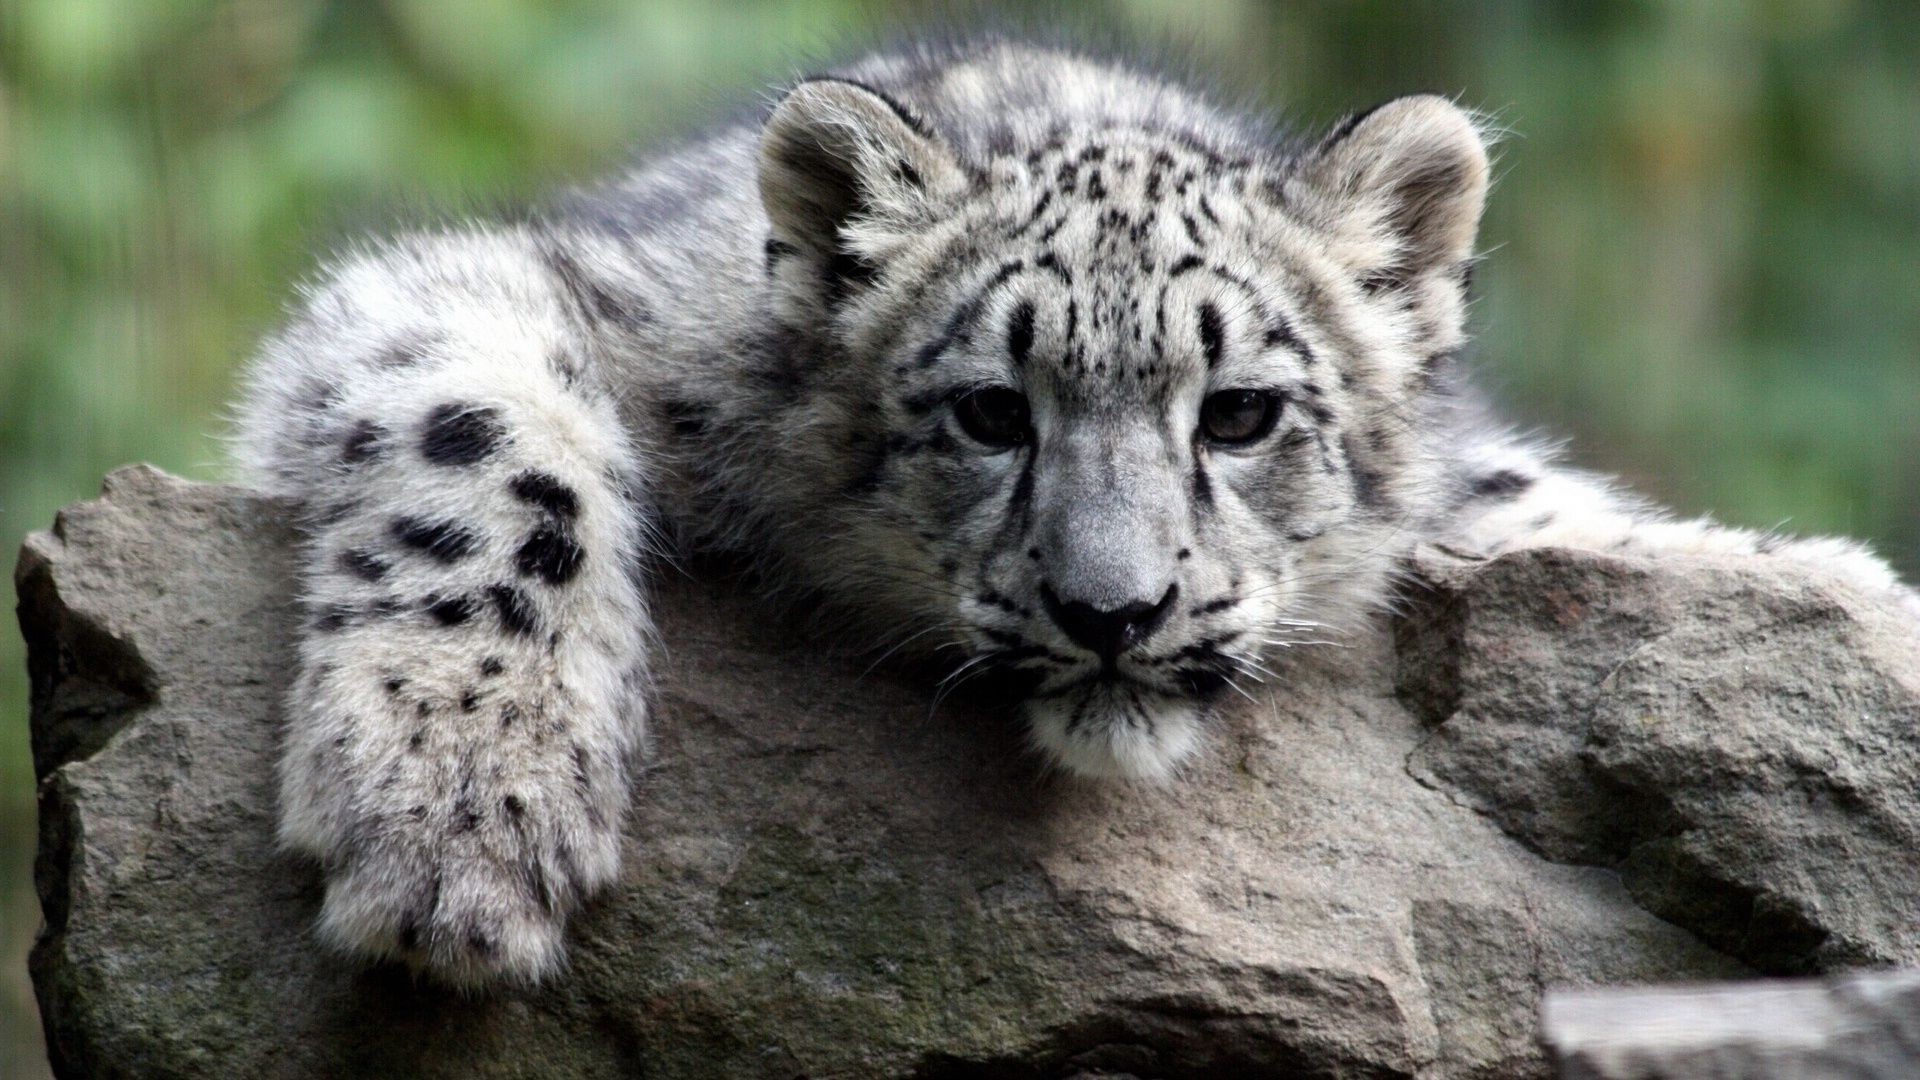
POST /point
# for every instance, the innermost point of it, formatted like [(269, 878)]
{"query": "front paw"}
[(460, 818), (470, 892)]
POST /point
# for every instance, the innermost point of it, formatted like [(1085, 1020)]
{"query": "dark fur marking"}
[(1039, 208), (515, 610), (1215, 607), (451, 610), (1186, 265), (964, 315), (845, 269), (469, 700), (1020, 332), (333, 617), (392, 686), (1281, 332), (551, 554), (1202, 487), (460, 434), (778, 249), (1050, 262), (580, 775), (401, 354), (1500, 484), (363, 564), (547, 492), (1212, 335), (1369, 485), (492, 665), (443, 540), (363, 443), (593, 298), (907, 117)]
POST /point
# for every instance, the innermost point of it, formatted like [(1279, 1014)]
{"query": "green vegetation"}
[(1703, 242)]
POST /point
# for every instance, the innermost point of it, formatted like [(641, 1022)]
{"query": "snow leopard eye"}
[(1238, 417), (994, 416)]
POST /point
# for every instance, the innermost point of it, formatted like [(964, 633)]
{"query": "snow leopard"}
[(1032, 359)]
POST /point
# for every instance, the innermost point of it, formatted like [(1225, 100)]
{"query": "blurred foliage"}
[(1702, 263)]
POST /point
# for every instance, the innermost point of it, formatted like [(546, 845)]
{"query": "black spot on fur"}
[(332, 617), (1020, 332), (460, 434), (469, 700), (1500, 484), (417, 740), (514, 805), (363, 564), (515, 610), (1213, 340), (845, 271), (443, 540), (451, 610), (550, 554), (776, 250), (363, 443), (1202, 487), (492, 665), (547, 492)]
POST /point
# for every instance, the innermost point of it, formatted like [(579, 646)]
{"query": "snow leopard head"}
[(1135, 397)]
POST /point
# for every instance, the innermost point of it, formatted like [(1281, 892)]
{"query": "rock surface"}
[(1559, 769)]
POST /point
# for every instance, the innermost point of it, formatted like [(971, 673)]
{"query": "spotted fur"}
[(990, 346)]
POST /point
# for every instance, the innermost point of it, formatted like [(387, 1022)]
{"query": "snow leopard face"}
[(1135, 405)]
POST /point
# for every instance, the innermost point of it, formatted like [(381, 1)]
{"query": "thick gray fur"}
[(758, 343)]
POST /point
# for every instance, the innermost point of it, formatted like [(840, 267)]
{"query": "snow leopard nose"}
[(1108, 632)]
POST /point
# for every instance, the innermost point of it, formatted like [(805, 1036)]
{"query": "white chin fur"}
[(1109, 733)]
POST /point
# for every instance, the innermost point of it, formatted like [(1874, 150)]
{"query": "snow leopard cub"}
[(991, 345)]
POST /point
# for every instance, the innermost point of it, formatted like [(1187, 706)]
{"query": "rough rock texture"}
[(1376, 870), (1856, 1026)]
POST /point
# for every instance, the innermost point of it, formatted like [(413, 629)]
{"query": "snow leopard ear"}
[(845, 173), (1405, 182)]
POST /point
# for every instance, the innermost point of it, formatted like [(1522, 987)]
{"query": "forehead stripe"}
[(964, 315)]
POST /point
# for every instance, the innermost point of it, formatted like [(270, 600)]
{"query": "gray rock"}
[(1374, 872), (1740, 742), (1863, 1027)]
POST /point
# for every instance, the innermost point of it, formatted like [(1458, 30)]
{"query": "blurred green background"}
[(1705, 239)]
